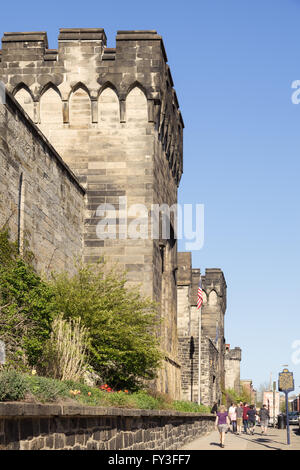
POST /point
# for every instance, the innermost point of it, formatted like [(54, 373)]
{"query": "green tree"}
[(231, 396), (25, 306), (124, 348)]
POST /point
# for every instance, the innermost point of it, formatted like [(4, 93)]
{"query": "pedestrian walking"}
[(239, 417), (251, 419), (232, 416), (245, 417), (264, 417), (222, 423), (214, 408)]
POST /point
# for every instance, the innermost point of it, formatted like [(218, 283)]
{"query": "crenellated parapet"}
[(83, 63), (215, 288)]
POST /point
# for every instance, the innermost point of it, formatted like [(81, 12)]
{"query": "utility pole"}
[(274, 397)]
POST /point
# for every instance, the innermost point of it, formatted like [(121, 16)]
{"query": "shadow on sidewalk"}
[(217, 444), (262, 441)]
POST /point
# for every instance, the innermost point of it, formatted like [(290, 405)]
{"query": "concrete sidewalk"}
[(276, 439)]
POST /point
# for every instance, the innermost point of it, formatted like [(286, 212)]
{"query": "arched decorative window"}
[(24, 98), (80, 108), (51, 107), (213, 298), (136, 107), (108, 108)]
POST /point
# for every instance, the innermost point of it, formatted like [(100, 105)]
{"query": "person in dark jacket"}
[(214, 408), (264, 417), (239, 417), (251, 413), (245, 417)]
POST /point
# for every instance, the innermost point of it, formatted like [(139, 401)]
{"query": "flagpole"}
[(199, 365), (199, 355)]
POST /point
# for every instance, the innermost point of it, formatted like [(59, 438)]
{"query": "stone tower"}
[(113, 116), (201, 332), (233, 359), (213, 312)]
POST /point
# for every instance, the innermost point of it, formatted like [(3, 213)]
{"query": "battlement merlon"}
[(214, 279), (37, 39), (234, 354), (184, 273)]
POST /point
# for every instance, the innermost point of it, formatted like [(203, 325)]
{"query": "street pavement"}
[(275, 439)]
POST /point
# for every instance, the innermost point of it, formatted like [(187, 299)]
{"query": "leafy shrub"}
[(122, 325), (190, 407), (121, 400), (45, 389), (145, 401), (123, 348), (25, 307), (13, 386)]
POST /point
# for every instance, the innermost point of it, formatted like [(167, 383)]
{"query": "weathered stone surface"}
[(41, 200), (232, 368), (136, 429), (201, 332), (113, 116)]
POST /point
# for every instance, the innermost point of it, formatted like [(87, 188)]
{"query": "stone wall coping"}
[(19, 409), (87, 34), (26, 36)]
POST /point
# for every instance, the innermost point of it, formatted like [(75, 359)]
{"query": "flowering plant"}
[(108, 389)]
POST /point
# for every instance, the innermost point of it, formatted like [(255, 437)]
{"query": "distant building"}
[(274, 408), (247, 387)]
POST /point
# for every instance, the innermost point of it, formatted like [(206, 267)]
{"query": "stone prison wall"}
[(70, 427), (41, 201)]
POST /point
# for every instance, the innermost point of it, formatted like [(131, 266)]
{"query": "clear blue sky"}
[(233, 63)]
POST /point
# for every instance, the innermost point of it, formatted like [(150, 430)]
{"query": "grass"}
[(18, 386)]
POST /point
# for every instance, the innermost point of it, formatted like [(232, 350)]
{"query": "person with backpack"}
[(245, 417), (214, 408), (264, 417), (251, 413), (239, 417)]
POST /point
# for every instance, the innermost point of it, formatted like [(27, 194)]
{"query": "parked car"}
[(294, 417)]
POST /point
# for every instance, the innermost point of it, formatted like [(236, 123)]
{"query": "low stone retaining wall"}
[(27, 426)]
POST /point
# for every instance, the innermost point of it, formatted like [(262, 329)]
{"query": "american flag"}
[(200, 295)]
